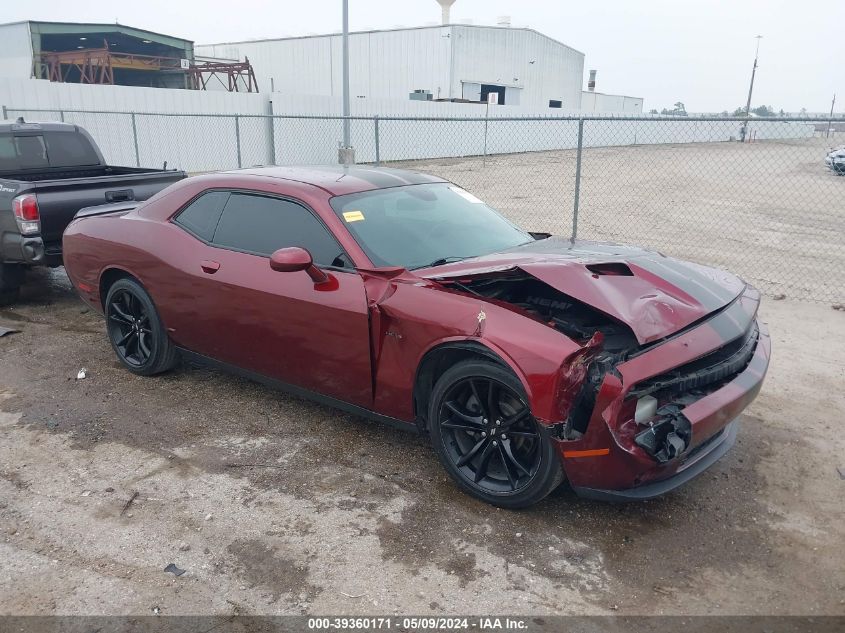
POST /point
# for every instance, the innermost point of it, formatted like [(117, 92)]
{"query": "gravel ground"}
[(275, 505), (769, 211)]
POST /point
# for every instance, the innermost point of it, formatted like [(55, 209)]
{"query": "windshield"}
[(425, 225)]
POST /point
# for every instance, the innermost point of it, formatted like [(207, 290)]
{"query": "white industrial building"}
[(448, 62), (451, 62), (392, 72)]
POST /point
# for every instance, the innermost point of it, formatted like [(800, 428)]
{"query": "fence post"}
[(62, 116), (577, 178), (272, 135), (486, 119), (378, 149), (135, 139), (5, 113), (238, 137)]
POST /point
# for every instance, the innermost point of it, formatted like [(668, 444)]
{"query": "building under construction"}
[(114, 54)]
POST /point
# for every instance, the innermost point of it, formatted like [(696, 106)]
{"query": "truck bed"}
[(61, 193), (74, 172)]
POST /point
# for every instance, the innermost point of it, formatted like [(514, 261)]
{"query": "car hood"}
[(654, 295)]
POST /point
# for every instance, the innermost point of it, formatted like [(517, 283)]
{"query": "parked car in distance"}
[(402, 297), (48, 172), (835, 160)]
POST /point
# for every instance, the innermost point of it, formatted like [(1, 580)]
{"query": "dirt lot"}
[(769, 211), (275, 505)]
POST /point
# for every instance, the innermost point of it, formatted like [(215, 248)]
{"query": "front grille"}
[(716, 367)]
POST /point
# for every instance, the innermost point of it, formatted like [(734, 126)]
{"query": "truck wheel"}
[(135, 330), (486, 438), (11, 279)]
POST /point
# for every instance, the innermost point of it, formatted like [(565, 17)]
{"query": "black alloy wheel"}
[(135, 329), (129, 328), (487, 438)]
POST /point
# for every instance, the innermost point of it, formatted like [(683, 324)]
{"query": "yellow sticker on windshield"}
[(353, 216)]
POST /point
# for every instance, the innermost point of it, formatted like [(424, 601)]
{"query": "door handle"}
[(209, 266), (123, 195)]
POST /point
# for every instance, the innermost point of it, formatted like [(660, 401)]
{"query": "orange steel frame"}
[(96, 66)]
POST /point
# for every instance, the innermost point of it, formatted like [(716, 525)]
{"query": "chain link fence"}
[(767, 208)]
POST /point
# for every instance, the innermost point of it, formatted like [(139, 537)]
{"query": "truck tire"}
[(11, 279)]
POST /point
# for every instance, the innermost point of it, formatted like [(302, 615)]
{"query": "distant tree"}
[(781, 113), (738, 112), (677, 110), (653, 111), (724, 113), (803, 112), (763, 111)]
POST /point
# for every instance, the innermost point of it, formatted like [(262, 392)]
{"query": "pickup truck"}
[(48, 172)]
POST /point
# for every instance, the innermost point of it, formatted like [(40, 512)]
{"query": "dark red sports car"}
[(401, 297)]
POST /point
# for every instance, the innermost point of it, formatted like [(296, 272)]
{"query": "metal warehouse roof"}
[(46, 28), (394, 30)]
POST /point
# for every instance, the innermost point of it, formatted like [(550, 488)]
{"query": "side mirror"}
[(294, 259)]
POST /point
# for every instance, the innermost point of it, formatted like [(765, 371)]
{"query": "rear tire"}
[(135, 330), (482, 430), (11, 279)]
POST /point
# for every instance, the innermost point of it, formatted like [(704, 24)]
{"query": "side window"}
[(261, 225), (201, 216), (69, 149)]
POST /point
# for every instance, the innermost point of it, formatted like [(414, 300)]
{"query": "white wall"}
[(15, 50), (204, 141), (597, 102), (196, 143)]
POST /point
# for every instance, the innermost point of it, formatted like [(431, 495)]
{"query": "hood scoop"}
[(610, 268)]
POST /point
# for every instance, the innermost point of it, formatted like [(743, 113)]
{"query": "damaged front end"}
[(663, 406), (666, 436)]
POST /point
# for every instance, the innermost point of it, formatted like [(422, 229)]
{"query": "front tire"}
[(483, 432), (135, 330)]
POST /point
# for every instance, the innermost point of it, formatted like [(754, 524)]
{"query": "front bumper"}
[(607, 463), (693, 466)]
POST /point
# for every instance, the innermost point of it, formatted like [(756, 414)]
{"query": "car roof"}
[(11, 125), (338, 180)]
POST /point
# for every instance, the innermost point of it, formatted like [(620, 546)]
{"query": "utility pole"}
[(346, 155), (830, 118), (751, 89)]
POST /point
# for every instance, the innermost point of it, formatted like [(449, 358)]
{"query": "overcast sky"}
[(696, 51)]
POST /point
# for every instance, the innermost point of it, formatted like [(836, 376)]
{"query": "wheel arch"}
[(109, 276), (446, 354)]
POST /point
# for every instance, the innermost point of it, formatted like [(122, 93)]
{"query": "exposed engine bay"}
[(572, 317)]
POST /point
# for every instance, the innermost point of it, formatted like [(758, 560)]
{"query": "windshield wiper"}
[(441, 261)]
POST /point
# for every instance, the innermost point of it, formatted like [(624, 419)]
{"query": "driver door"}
[(279, 324)]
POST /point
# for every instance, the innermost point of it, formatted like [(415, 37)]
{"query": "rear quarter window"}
[(201, 216)]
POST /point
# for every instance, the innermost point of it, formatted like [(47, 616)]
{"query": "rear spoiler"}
[(105, 209)]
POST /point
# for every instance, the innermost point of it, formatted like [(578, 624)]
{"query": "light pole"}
[(346, 155), (830, 118), (751, 88)]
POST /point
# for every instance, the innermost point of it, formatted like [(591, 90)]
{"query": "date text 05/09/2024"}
[(425, 623)]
